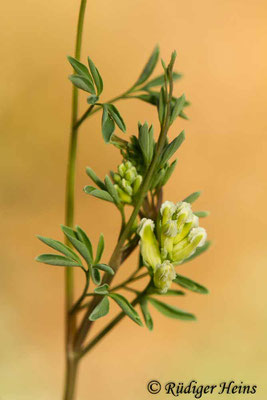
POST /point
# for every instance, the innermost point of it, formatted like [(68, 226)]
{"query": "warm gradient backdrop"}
[(221, 49)]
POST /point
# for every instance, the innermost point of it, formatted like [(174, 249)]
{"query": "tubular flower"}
[(127, 182), (148, 243), (178, 235)]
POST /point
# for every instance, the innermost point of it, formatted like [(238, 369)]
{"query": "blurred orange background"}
[(221, 48)]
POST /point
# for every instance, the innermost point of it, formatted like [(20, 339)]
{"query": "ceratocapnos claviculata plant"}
[(168, 233)]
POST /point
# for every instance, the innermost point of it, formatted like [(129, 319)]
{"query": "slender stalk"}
[(70, 320), (131, 279)]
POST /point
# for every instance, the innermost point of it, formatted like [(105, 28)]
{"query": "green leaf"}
[(104, 267), (108, 125), (71, 232), (190, 285), (202, 214), (159, 81), (169, 172), (100, 310), (100, 249), (178, 107), (83, 83), (85, 239), (100, 194), (124, 304), (171, 311), (149, 67), (103, 289), (183, 115), (54, 259), (96, 277), (146, 314), (95, 178), (114, 113), (151, 98), (172, 148), (198, 251), (192, 197), (112, 191), (79, 246), (146, 141), (62, 248), (79, 68), (96, 76), (92, 99)]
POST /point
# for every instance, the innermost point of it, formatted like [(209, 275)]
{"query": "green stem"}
[(129, 280), (70, 320)]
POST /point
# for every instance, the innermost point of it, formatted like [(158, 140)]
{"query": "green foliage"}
[(146, 314), (54, 259), (171, 148), (105, 268), (192, 197), (112, 191), (190, 285), (202, 214), (96, 276), (159, 81), (100, 310), (115, 115), (79, 246), (95, 178), (146, 142), (96, 76), (108, 124), (100, 249), (102, 289), (61, 247), (100, 194), (149, 67), (82, 82), (171, 311), (85, 239), (124, 304), (177, 108)]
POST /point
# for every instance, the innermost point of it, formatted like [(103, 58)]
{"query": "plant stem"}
[(129, 280), (70, 320)]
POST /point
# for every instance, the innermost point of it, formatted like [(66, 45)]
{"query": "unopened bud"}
[(124, 197), (121, 169), (163, 276), (126, 186), (137, 183)]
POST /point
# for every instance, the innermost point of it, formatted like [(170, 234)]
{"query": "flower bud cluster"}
[(127, 182), (177, 237)]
